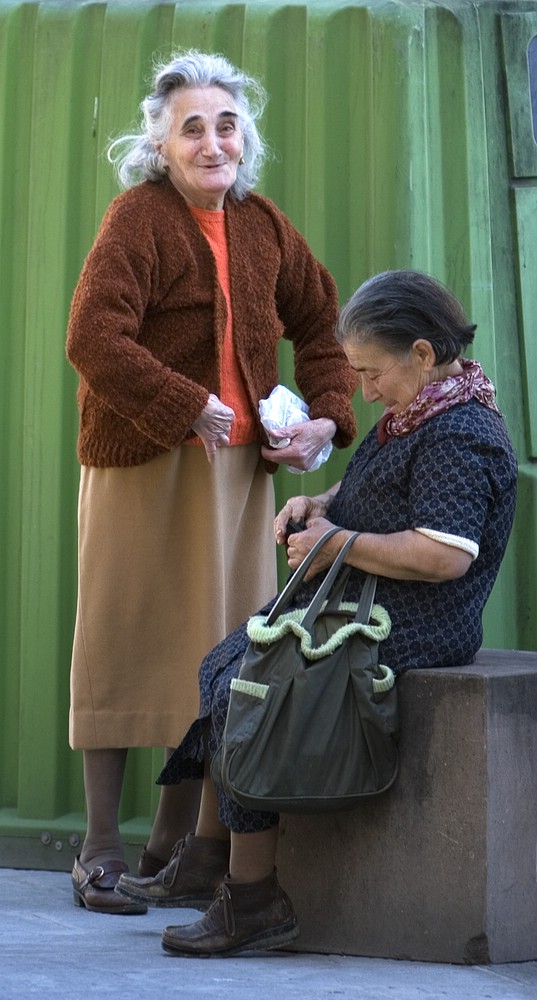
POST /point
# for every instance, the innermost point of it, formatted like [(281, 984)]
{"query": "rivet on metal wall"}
[(46, 838), (74, 839), (58, 845)]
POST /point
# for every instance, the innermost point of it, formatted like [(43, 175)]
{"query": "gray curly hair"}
[(134, 156)]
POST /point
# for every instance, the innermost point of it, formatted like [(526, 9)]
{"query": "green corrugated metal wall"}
[(404, 134)]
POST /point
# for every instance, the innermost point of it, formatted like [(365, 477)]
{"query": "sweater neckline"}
[(208, 217)]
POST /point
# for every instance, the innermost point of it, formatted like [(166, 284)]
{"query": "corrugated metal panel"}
[(392, 140)]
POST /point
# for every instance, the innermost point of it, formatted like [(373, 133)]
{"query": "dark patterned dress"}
[(456, 474)]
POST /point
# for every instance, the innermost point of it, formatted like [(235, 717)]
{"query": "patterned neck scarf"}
[(437, 397)]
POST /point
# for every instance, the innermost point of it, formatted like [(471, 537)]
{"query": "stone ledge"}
[(442, 867)]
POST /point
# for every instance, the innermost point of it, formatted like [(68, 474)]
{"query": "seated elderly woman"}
[(432, 490)]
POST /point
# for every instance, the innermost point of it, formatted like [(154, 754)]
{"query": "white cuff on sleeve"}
[(455, 540)]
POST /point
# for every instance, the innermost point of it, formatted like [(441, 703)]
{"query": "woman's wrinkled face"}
[(204, 145), (390, 379)]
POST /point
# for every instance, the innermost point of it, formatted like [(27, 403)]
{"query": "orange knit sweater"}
[(244, 429)]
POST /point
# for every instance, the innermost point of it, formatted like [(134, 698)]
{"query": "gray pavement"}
[(51, 949)]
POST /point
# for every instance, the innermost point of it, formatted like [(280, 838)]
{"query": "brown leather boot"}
[(251, 916), (149, 865), (195, 869)]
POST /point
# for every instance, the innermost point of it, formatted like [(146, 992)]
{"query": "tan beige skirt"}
[(173, 555)]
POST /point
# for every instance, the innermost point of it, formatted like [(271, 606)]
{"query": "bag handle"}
[(293, 584), (363, 612), (308, 620), (338, 592), (367, 597)]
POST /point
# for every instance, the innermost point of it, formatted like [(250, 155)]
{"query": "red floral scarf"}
[(437, 397)]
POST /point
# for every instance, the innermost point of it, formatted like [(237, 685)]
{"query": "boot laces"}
[(170, 870), (222, 901)]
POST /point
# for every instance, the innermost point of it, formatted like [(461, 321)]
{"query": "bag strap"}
[(363, 612), (367, 597), (322, 593), (338, 591), (293, 584)]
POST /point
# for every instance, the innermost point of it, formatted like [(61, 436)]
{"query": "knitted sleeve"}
[(308, 306), (104, 344)]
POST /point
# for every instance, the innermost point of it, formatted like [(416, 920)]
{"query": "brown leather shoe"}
[(195, 869), (253, 916), (94, 889), (149, 865)]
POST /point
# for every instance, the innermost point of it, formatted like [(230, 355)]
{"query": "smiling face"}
[(390, 379), (204, 145)]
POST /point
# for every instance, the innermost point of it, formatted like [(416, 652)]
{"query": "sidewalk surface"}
[(51, 949)]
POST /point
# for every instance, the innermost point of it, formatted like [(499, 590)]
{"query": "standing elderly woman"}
[(432, 490), (174, 331)]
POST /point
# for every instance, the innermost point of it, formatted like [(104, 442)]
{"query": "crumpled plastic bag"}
[(281, 409)]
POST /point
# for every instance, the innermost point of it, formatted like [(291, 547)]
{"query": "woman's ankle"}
[(90, 857)]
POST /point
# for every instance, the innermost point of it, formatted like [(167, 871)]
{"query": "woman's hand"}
[(300, 543), (213, 425), (307, 440), (301, 508)]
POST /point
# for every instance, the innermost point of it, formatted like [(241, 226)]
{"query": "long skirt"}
[(173, 555), (205, 734)]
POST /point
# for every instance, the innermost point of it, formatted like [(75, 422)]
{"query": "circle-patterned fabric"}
[(455, 474)]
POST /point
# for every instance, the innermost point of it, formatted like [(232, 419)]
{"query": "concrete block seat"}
[(442, 867)]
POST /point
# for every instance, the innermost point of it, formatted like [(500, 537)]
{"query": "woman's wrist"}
[(343, 536), (328, 426), (324, 499)]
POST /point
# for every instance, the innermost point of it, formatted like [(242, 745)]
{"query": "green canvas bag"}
[(312, 722)]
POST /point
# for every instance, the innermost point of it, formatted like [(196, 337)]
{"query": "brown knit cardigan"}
[(148, 318)]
